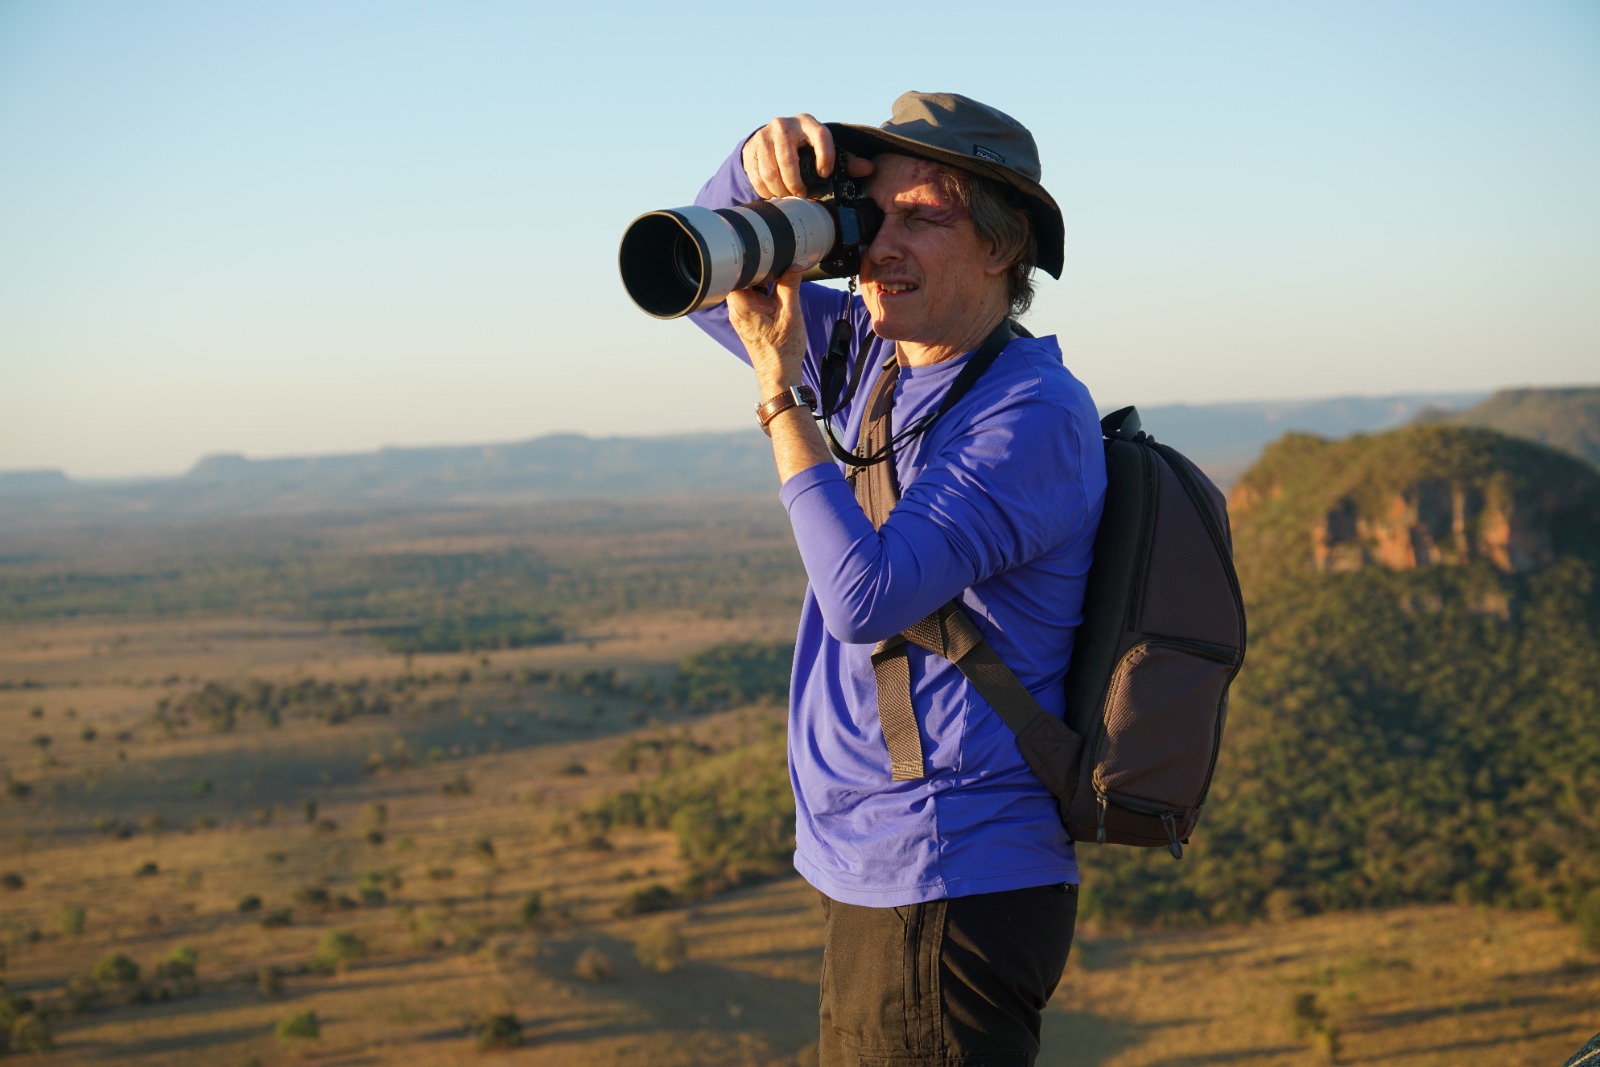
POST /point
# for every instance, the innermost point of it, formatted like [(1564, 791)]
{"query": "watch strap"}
[(796, 396)]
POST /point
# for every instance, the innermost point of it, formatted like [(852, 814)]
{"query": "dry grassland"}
[(447, 944)]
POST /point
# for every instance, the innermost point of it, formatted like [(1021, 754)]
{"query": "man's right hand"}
[(772, 156)]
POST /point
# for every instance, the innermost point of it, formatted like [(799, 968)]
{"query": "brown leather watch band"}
[(796, 396)]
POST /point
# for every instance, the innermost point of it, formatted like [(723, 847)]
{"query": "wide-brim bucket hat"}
[(959, 131)]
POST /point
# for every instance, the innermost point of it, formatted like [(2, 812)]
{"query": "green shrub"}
[(249, 902), (116, 969), (661, 948), (1306, 1016), (29, 1033), (1587, 919), (337, 948), (269, 981), (277, 917), (497, 1031), (301, 1026), (531, 908), (12, 880), (147, 869), (594, 965), (647, 899), (310, 896), (70, 920), (181, 964)]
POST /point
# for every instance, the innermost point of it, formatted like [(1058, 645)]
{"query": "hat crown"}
[(961, 125)]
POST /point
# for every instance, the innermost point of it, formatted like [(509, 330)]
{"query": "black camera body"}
[(856, 216), (684, 259)]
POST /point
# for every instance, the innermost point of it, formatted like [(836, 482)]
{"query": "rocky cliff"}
[(1416, 498)]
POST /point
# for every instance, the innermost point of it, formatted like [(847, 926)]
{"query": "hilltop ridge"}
[(1429, 494), (1567, 419)]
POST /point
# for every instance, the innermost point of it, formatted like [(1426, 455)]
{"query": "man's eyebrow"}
[(933, 212)]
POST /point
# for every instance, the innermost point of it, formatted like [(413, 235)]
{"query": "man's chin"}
[(886, 329)]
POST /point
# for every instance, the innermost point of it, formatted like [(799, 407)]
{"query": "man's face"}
[(927, 275)]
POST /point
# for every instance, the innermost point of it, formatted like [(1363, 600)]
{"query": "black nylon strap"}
[(981, 361)]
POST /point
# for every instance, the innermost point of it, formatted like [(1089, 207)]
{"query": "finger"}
[(858, 167), (761, 155), (820, 138), (789, 280), (794, 135), (786, 295)]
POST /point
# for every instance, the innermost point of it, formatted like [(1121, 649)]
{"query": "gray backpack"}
[(1162, 638)]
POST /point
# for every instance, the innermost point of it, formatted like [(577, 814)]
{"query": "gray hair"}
[(1001, 220)]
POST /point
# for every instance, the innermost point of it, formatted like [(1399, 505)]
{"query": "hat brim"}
[(1049, 227)]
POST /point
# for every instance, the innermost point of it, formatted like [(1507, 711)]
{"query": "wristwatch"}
[(796, 396)]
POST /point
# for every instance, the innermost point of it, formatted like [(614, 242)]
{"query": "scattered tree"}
[(594, 965), (497, 1031), (116, 969), (661, 948)]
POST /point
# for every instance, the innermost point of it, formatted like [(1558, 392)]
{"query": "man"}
[(950, 890)]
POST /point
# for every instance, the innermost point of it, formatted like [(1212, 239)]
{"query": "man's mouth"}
[(896, 288)]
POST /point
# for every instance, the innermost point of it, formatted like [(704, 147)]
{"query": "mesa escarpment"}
[(1438, 522), (1418, 498)]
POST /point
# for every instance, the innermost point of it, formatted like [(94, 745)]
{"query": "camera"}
[(687, 258)]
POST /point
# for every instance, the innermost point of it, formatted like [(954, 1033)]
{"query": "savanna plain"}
[(466, 785)]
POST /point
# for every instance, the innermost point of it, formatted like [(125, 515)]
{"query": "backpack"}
[(1162, 638)]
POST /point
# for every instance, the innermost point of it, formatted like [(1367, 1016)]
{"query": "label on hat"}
[(983, 153)]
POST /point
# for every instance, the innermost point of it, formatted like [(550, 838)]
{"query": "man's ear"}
[(999, 262)]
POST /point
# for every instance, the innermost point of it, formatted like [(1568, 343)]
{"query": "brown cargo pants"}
[(949, 983)]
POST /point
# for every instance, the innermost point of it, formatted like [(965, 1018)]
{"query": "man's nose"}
[(885, 245)]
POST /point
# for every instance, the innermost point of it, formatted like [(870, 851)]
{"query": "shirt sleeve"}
[(996, 495)]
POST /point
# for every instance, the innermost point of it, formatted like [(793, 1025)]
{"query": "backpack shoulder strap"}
[(949, 632)]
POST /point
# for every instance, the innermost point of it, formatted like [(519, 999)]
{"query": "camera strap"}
[(837, 359)]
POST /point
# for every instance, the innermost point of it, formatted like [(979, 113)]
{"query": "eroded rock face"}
[(1437, 522)]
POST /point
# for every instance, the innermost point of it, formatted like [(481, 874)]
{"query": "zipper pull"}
[(1100, 818), (1170, 822)]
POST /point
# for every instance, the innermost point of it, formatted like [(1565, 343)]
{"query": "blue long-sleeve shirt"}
[(999, 504)]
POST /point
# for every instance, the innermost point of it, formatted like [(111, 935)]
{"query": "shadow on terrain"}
[(1081, 1039), (1473, 1044), (124, 1049), (1245, 1055), (698, 996)]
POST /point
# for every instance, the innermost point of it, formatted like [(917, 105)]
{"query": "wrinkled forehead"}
[(898, 179)]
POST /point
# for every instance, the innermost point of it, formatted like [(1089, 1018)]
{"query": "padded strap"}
[(947, 632)]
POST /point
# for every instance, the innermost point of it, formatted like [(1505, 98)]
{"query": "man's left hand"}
[(773, 332)]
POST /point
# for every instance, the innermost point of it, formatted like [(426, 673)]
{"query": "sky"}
[(301, 227)]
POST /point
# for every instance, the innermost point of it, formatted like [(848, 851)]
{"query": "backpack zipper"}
[(1147, 467), (1130, 608), (1168, 817), (1219, 537)]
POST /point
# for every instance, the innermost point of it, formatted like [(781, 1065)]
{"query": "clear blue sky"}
[(309, 226)]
